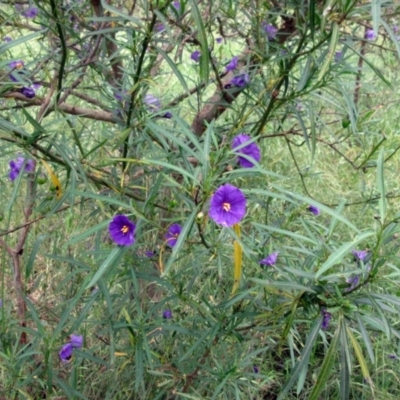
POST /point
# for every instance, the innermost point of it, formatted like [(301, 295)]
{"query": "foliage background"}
[(327, 129)]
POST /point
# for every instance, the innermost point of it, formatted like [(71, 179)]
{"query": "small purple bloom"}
[(313, 209), (359, 254), (149, 253), (392, 356), (219, 40), (31, 12), (270, 259), (17, 64), (370, 34), (338, 56), (153, 103), (76, 341), (256, 370), (17, 165), (232, 64), (396, 29), (228, 205), (251, 150), (159, 27), (240, 80), (353, 282), (327, 317), (167, 314), (66, 352), (172, 234), (270, 30), (36, 86), (195, 56), (120, 95), (7, 39), (167, 115), (27, 92), (176, 4), (122, 230)]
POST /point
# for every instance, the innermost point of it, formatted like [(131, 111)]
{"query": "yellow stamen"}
[(125, 229), (226, 207), (19, 65)]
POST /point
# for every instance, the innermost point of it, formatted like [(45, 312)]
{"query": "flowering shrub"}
[(206, 193)]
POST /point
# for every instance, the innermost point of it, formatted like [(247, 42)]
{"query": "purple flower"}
[(31, 12), (256, 370), (353, 282), (120, 95), (270, 30), (359, 254), (240, 80), (327, 317), (396, 29), (17, 64), (370, 34), (76, 341), (18, 164), (251, 150), (172, 234), (195, 56), (167, 314), (27, 92), (66, 352), (153, 103), (228, 205), (392, 356), (149, 253), (338, 56), (313, 209), (219, 40), (176, 4), (36, 86), (167, 115), (232, 64), (122, 230), (159, 27), (270, 259), (7, 39)]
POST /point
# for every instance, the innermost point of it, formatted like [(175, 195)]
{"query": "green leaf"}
[(331, 51), (201, 35), (367, 341), (380, 179), (32, 256), (326, 368), (345, 362), (303, 359), (112, 260)]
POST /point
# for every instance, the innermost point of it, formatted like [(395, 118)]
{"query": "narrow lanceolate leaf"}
[(237, 256), (381, 185), (303, 359), (344, 362), (112, 260), (204, 60), (360, 358), (367, 341), (338, 255), (54, 179), (326, 368), (331, 51)]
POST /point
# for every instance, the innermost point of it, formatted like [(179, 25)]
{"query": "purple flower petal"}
[(228, 205), (251, 150), (17, 165), (167, 314), (219, 40), (76, 341), (149, 253), (195, 56), (7, 39), (256, 370), (17, 64), (338, 56), (370, 34), (122, 230), (239, 81), (313, 209), (270, 259), (172, 234), (359, 254), (153, 103), (66, 352), (232, 64), (327, 317), (27, 92), (270, 30), (31, 12)]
